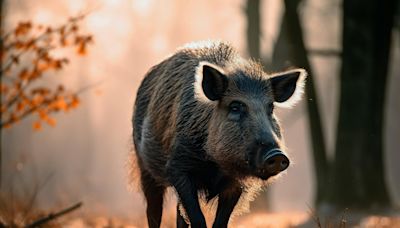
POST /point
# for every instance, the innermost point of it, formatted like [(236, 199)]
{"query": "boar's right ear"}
[(288, 86), (210, 82)]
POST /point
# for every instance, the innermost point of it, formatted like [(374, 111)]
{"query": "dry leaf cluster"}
[(26, 57)]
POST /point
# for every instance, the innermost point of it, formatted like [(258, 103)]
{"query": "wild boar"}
[(204, 124)]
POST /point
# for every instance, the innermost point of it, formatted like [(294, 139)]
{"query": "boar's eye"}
[(236, 110)]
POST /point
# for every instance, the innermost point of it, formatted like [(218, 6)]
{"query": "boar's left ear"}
[(210, 82), (288, 86)]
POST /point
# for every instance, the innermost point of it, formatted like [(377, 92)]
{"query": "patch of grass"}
[(328, 222)]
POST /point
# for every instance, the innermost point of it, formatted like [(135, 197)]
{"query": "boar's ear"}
[(287, 87), (210, 82)]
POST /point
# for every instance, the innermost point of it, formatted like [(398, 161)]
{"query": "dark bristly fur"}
[(198, 143)]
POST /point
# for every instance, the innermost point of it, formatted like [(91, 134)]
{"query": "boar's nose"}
[(275, 161)]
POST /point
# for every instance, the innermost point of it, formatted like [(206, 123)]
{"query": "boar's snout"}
[(275, 161)]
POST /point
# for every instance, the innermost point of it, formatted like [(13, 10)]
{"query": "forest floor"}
[(20, 215), (253, 220)]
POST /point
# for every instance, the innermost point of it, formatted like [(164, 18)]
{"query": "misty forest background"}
[(73, 146)]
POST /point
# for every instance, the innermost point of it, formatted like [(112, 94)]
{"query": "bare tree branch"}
[(325, 52), (52, 216)]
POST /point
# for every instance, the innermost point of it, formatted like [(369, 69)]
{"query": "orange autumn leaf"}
[(22, 28), (20, 106), (81, 48), (42, 66), (40, 91), (89, 39), (57, 64), (19, 45), (62, 30), (74, 28), (24, 74), (43, 114), (14, 117), (37, 100), (49, 30), (37, 126), (35, 74), (3, 88), (15, 59), (75, 102), (3, 109), (61, 104), (63, 41), (30, 44), (51, 121)]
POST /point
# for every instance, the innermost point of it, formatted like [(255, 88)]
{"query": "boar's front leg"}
[(227, 201), (154, 194), (178, 171)]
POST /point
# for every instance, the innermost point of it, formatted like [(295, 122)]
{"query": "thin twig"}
[(343, 221), (18, 95), (88, 87), (33, 198), (314, 216), (52, 216)]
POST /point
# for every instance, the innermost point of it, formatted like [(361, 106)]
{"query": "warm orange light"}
[(142, 7)]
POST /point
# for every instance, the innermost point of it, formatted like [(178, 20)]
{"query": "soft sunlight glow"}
[(111, 2), (43, 16), (142, 7), (77, 6), (159, 44)]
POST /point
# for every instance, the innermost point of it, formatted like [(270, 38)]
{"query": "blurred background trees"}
[(355, 177), (359, 171)]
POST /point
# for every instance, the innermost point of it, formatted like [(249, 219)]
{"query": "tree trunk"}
[(290, 48), (359, 175), (253, 28)]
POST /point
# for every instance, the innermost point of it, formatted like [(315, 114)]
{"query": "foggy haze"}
[(84, 156)]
